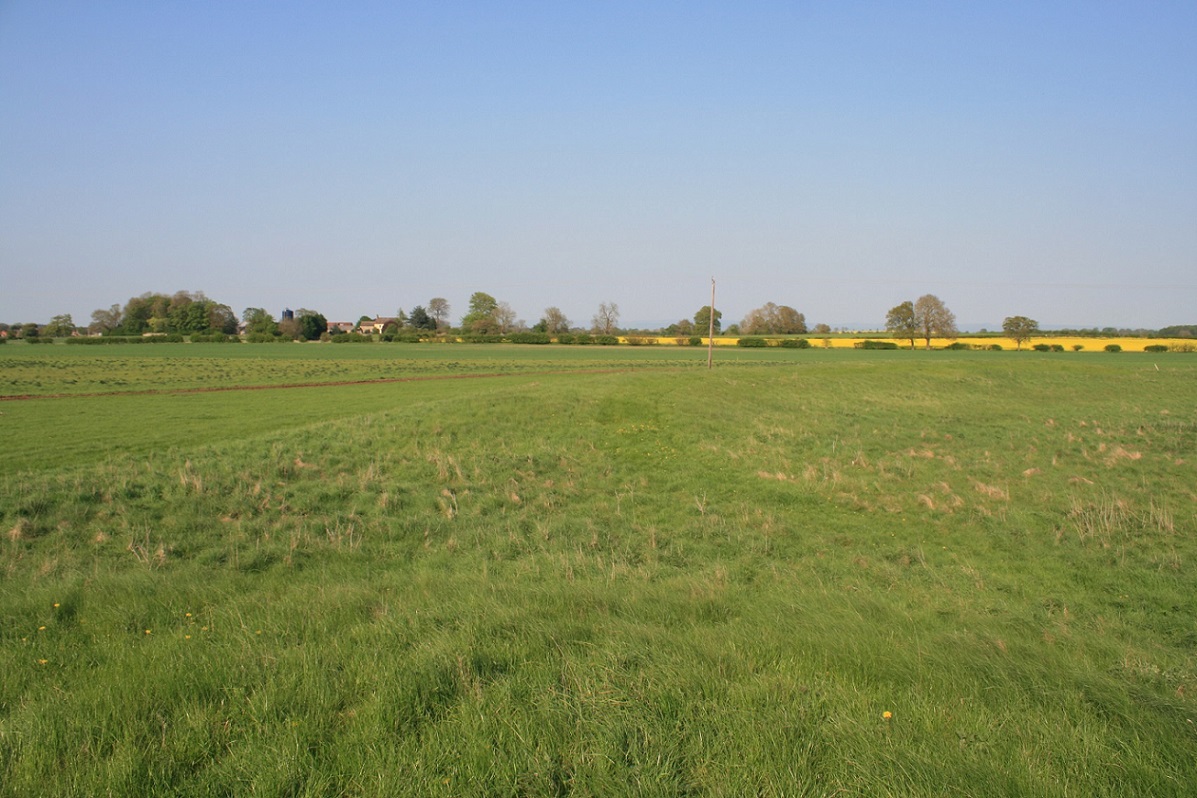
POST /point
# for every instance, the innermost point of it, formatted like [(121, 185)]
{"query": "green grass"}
[(648, 581)]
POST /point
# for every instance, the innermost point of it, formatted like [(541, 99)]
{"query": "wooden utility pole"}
[(711, 329)]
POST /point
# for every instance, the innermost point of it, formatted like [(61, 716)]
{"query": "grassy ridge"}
[(651, 582)]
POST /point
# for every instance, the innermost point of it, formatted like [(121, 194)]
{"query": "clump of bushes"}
[(212, 338), (1057, 347), (1156, 348), (695, 340), (353, 338), (752, 341), (606, 340), (957, 346), (1113, 348), (995, 347), (640, 340), (871, 344), (1041, 348), (795, 343), (530, 338)]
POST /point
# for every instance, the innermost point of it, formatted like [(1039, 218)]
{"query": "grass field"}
[(597, 572)]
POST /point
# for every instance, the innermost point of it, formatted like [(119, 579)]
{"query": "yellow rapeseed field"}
[(1070, 343)]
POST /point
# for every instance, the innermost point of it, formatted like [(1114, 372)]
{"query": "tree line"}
[(193, 313)]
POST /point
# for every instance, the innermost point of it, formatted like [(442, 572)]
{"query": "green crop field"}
[(596, 571)]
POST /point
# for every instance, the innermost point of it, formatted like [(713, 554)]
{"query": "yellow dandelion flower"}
[(57, 605), (147, 631), (887, 714), (186, 637), (41, 628), (189, 615), (42, 661)]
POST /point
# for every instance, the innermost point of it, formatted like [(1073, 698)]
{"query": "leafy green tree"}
[(60, 326), (29, 330), (702, 320), (902, 323), (934, 318), (259, 322), (1020, 328), (482, 316), (420, 320), (311, 324)]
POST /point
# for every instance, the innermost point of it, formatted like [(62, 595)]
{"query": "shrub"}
[(606, 340), (584, 339), (1113, 348), (39, 340), (695, 340), (752, 341), (640, 340), (477, 338), (957, 346), (209, 338), (352, 338), (1041, 348), (1156, 348), (565, 338), (1185, 347), (995, 347), (1077, 347), (530, 338), (795, 343), (1057, 347), (870, 344), (264, 338)]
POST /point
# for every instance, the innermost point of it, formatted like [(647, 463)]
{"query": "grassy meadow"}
[(596, 571)]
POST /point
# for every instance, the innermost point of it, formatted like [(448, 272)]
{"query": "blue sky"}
[(1013, 158)]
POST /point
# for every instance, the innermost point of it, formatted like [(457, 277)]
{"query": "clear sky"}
[(1013, 158)]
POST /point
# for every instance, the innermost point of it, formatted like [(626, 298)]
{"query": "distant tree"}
[(934, 318), (553, 322), (105, 321), (420, 320), (606, 321), (481, 316), (311, 324), (288, 327), (821, 329), (685, 327), (1020, 328), (59, 327), (438, 308), (702, 320), (29, 330), (505, 318), (258, 322), (771, 319), (902, 323)]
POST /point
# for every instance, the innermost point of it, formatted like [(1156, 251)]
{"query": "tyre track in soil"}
[(29, 397)]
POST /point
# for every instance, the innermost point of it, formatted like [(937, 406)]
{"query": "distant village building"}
[(335, 327), (379, 324), (288, 315)]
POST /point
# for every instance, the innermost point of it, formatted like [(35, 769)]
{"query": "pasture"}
[(596, 571)]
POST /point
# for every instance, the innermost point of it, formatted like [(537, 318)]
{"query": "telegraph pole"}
[(711, 329)]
